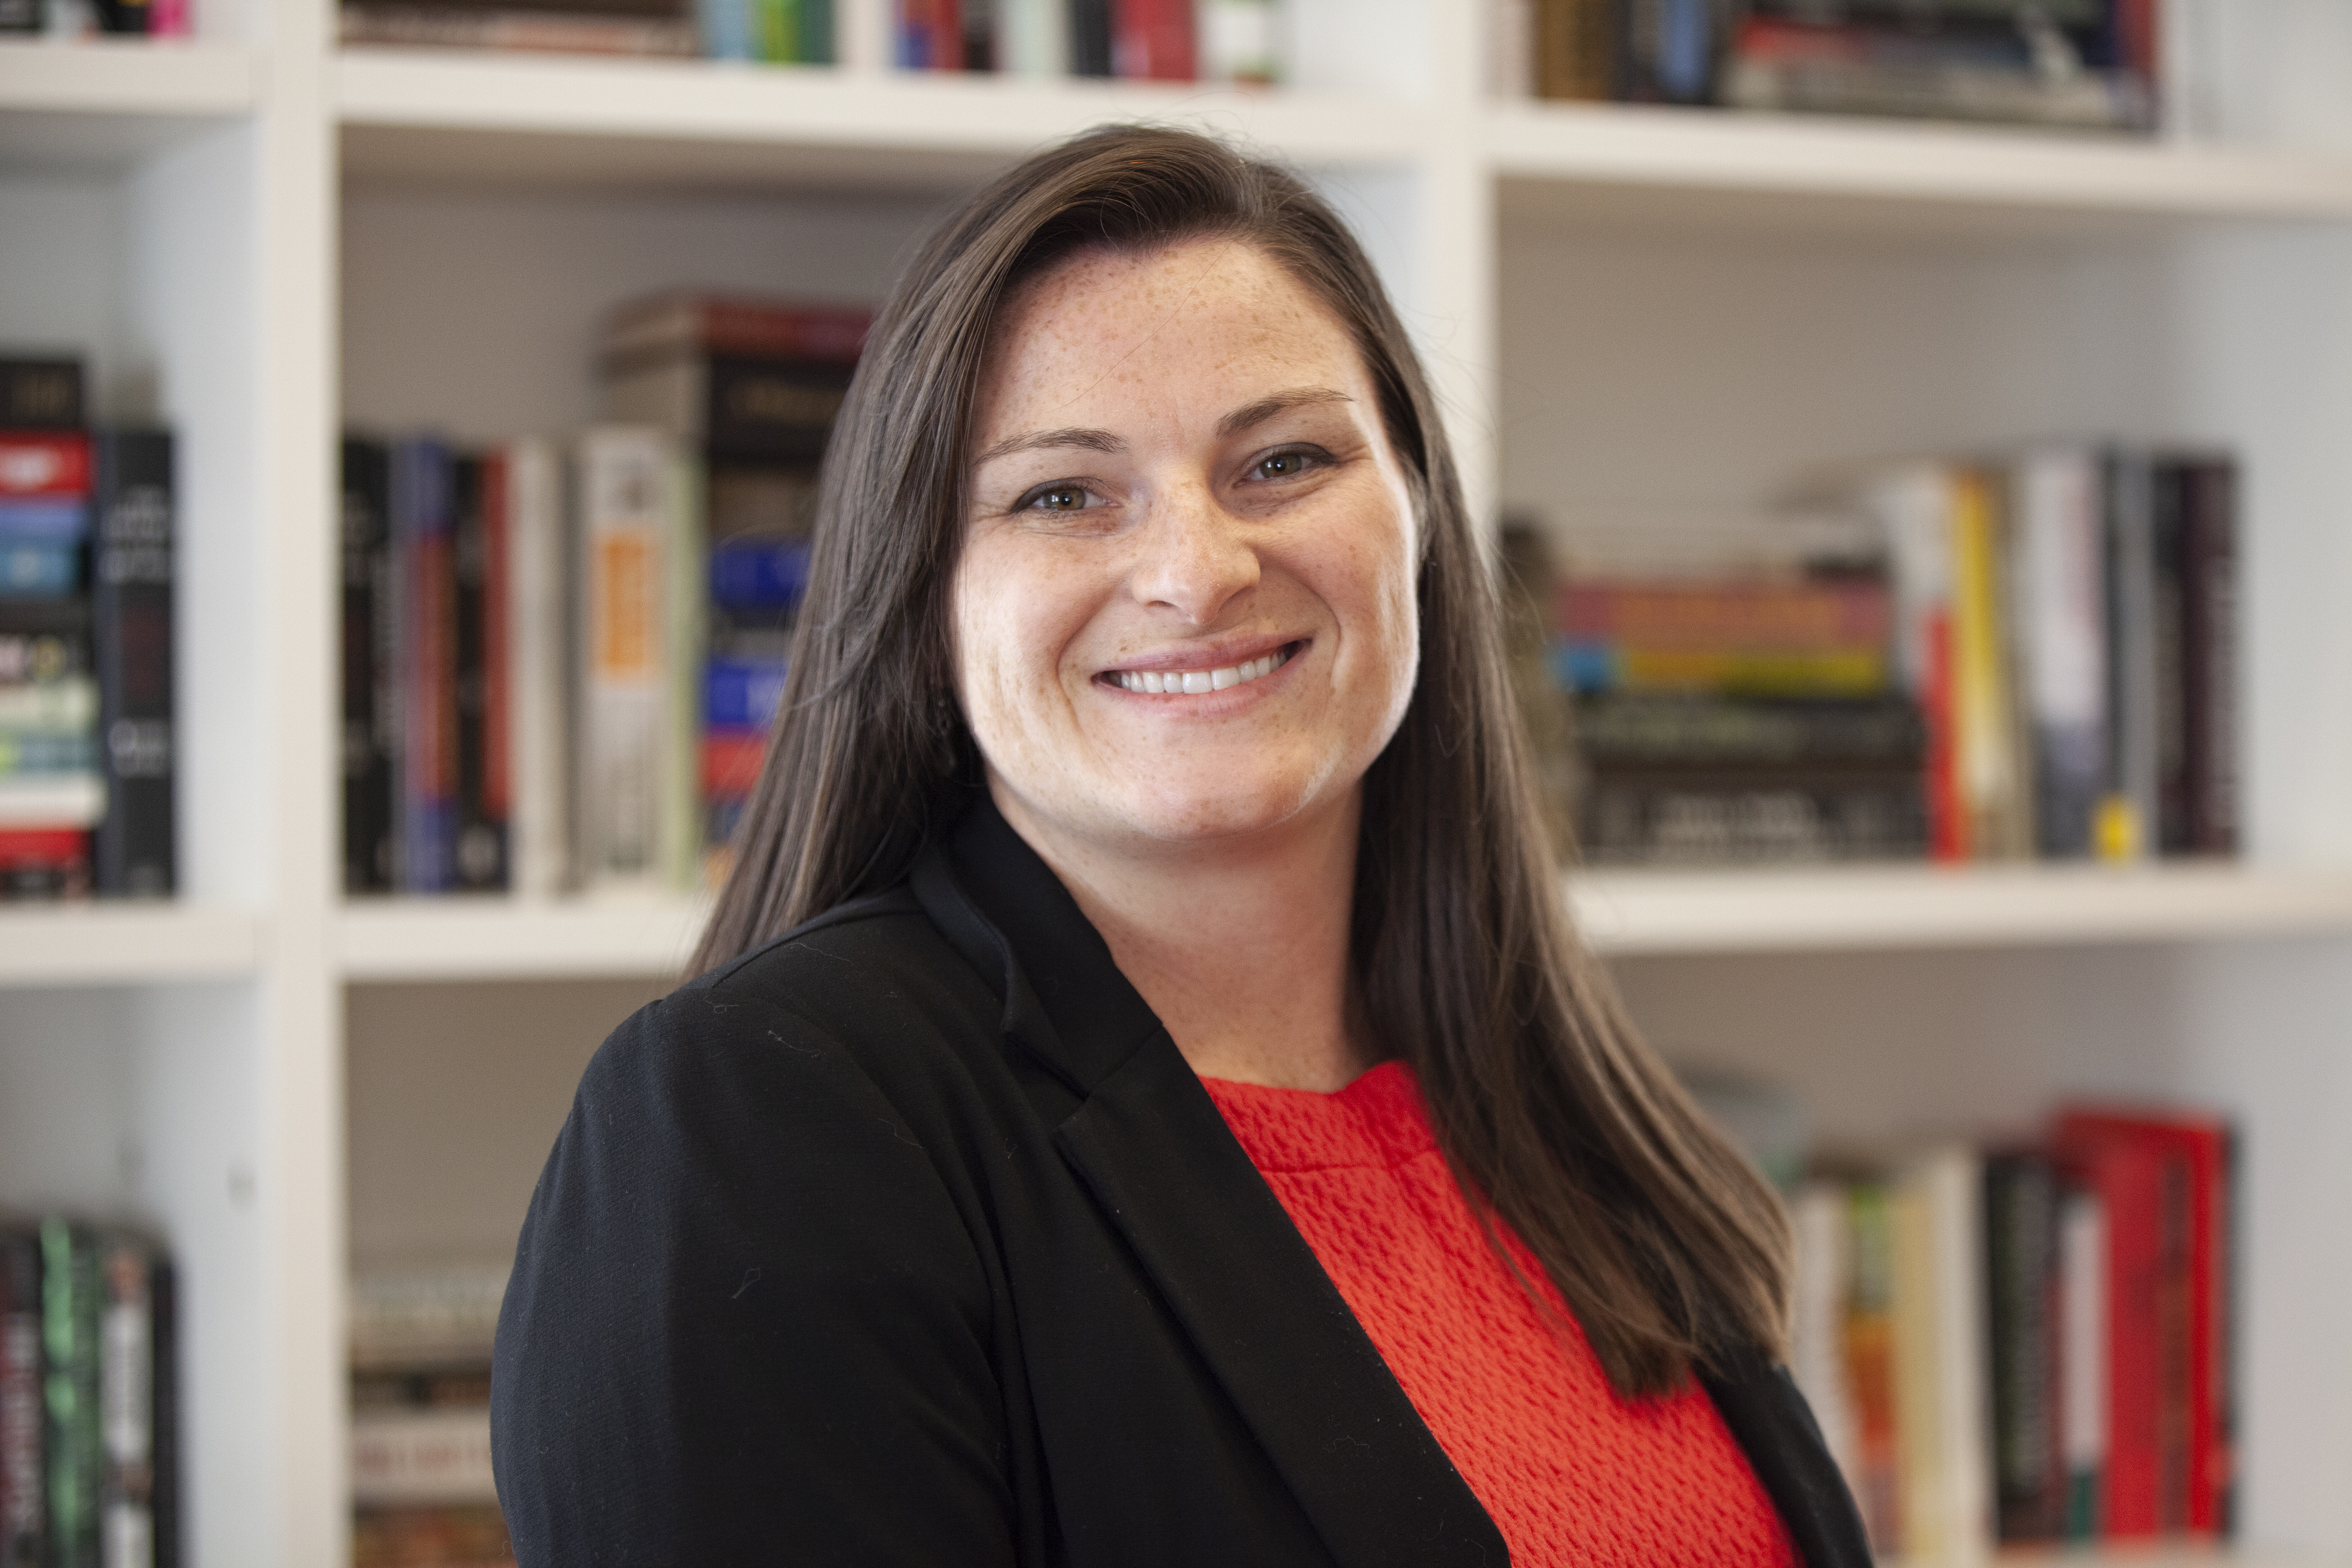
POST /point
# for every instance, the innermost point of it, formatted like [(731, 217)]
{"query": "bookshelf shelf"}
[(115, 944), (444, 115), (1882, 906), (104, 104), (503, 939), (1892, 173)]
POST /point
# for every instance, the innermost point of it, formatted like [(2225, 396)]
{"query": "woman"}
[(1143, 1104)]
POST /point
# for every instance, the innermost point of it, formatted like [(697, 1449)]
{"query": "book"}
[(44, 864), (37, 393), (137, 1528), (422, 1454), (444, 1315), (629, 516), (1936, 1229), (424, 504), (1913, 504), (1820, 1223), (1856, 670), (72, 1316), (133, 553), (2128, 809), (1748, 616), (2082, 1355), (538, 668), (1991, 779), (517, 28), (1652, 732), (2015, 69), (1670, 51), (1033, 37), (1877, 1477), (2128, 1178), (478, 859), (1699, 818), (1576, 49), (2021, 1209), (23, 1498), (929, 36), (431, 1536), (2209, 578), (1090, 38), (370, 745), (2060, 611), (1152, 40), (1239, 41)]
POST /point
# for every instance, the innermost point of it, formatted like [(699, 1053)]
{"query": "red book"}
[(2130, 1176), (930, 36), (2199, 1157), (737, 324), (1947, 814), (1151, 40), (44, 465)]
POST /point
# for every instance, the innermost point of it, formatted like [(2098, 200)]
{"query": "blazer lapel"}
[(1151, 1149)]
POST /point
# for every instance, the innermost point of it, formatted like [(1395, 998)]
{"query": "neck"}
[(1240, 946)]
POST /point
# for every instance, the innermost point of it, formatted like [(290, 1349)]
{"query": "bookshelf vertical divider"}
[(191, 1063)]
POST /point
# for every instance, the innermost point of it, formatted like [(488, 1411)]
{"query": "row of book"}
[(1153, 40), (1998, 659), (93, 18), (422, 1487), (2088, 65), (562, 660), (2029, 1342), (86, 747), (88, 1412)]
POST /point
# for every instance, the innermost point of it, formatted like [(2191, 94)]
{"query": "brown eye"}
[(1056, 498), (1283, 465)]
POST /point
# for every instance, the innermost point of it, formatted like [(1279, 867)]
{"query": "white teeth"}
[(1196, 681)]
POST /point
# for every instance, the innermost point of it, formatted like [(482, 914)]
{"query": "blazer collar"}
[(1149, 1146)]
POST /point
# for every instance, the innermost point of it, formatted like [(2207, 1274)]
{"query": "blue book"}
[(768, 574), (726, 27), (423, 523), (60, 521), (38, 568), (741, 693)]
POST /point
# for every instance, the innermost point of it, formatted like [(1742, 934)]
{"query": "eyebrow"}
[(1246, 416)]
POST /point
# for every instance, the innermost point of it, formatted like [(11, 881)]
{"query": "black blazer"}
[(910, 1238)]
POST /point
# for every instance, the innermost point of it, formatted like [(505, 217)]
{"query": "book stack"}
[(1741, 713), (422, 1489), (2029, 1343), (2066, 623), (91, 18), (1142, 40), (86, 749), (88, 1413), (2063, 64)]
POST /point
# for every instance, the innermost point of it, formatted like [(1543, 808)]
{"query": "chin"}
[(1214, 810)]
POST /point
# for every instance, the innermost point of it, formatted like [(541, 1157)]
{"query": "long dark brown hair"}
[(1556, 1117)]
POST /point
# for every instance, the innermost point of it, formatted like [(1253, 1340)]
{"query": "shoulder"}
[(864, 997)]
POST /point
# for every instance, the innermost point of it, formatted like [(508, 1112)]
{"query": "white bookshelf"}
[(257, 237)]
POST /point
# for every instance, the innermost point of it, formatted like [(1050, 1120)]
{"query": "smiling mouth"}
[(1197, 682)]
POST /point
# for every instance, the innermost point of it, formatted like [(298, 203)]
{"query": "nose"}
[(1195, 557)]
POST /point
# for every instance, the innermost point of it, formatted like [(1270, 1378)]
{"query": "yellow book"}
[(1992, 786), (1822, 672)]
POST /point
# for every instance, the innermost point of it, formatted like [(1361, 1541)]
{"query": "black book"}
[(2170, 484), (36, 394), (367, 753), (2020, 1198), (24, 1500), (481, 838), (2210, 656), (1090, 38), (131, 539), (163, 1293)]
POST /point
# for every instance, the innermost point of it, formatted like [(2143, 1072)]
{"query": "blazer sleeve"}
[(746, 1322)]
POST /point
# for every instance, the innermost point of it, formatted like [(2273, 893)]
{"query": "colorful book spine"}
[(72, 1315), (628, 508), (1984, 728), (2060, 613), (929, 36), (1752, 617), (1853, 671), (1870, 1358), (423, 525), (1153, 40), (132, 590), (368, 753)]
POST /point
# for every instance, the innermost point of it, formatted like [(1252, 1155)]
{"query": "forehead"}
[(1117, 323)]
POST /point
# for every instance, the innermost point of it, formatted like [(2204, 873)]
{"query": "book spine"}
[(1697, 818), (1576, 49), (2083, 1402), (366, 760), (2060, 613), (1983, 727), (768, 410), (2170, 484), (1668, 51), (1152, 40), (428, 1456), (38, 394), (2210, 644), (1750, 617), (23, 1503), (687, 582), (1090, 38), (479, 858), (626, 512), (726, 29), (131, 617), (2128, 807), (76, 1441), (422, 502), (1240, 41), (2128, 1180), (1858, 671), (127, 1403), (1817, 1216), (1870, 1358), (2021, 1274), (164, 1299), (930, 36), (538, 828)]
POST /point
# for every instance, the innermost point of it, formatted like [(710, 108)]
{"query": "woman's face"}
[(1185, 607)]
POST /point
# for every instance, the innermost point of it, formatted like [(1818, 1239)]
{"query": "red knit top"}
[(1571, 1473)]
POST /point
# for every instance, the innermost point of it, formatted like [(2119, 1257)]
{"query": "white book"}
[(1239, 41), (1913, 504), (627, 514), (2061, 616), (1817, 1339), (1033, 37), (422, 1456), (2083, 1346), (416, 1317), (52, 800), (538, 747), (1941, 1388)]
